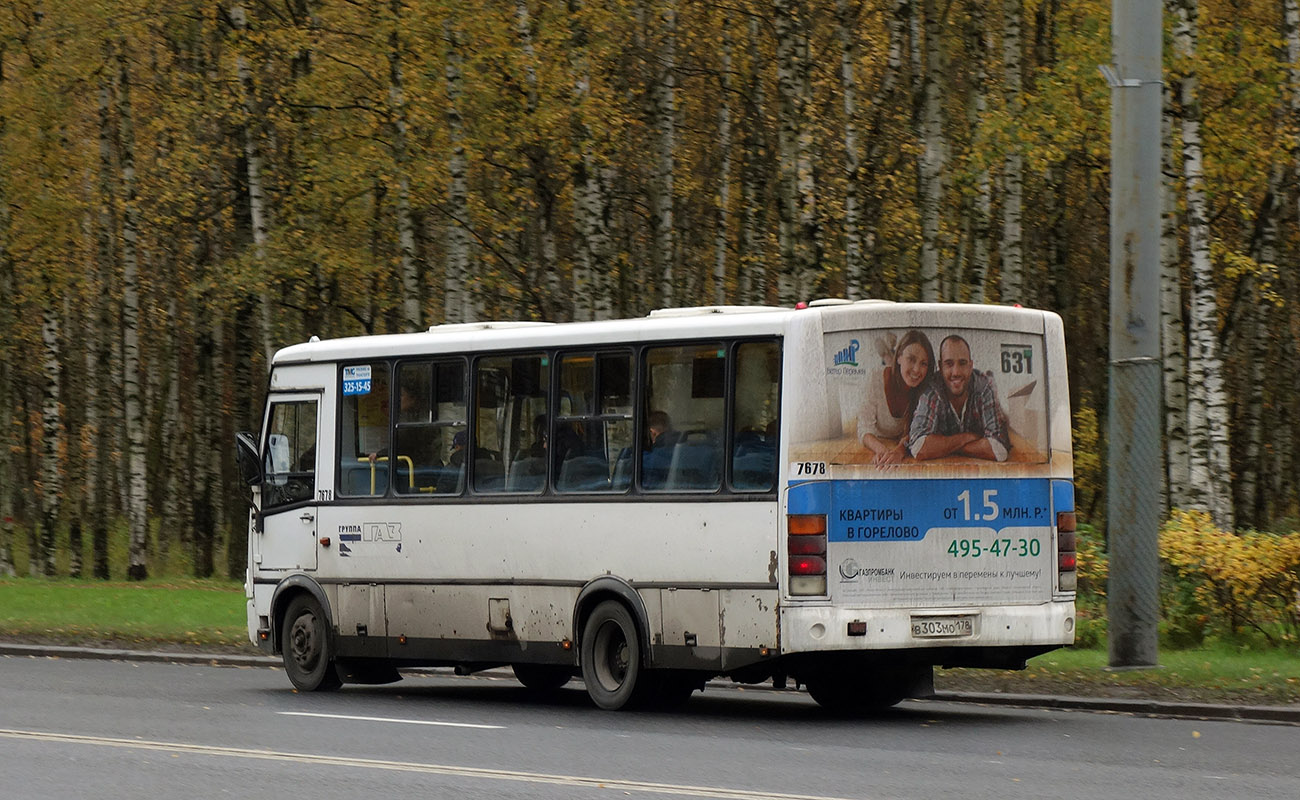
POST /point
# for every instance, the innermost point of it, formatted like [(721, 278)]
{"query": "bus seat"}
[(622, 470), (754, 471), (694, 466), (356, 479), (751, 441), (489, 475), (526, 474), (583, 474), (451, 480)]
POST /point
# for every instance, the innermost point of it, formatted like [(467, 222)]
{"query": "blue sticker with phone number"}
[(356, 380)]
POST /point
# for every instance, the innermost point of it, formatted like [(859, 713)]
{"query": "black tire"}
[(307, 648), (542, 677), (673, 688), (855, 695), (611, 658)]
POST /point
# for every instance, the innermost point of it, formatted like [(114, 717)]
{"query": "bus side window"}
[(430, 414), (593, 430), (511, 392), (363, 437), (290, 454), (754, 417), (683, 417)]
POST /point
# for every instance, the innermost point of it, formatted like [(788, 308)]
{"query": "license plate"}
[(943, 627)]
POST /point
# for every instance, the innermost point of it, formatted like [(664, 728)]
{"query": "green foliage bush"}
[(1241, 589), (1241, 586)]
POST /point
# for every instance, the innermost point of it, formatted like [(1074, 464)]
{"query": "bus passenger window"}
[(430, 414), (511, 393), (683, 417), (756, 398), (363, 441), (290, 454), (593, 432)]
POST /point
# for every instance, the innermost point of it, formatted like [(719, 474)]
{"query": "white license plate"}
[(943, 627)]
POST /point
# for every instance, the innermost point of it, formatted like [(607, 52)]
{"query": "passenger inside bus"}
[(658, 456)]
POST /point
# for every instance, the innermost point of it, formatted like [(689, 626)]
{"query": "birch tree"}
[(722, 205), (1013, 268), (855, 277), (883, 101), (100, 384), (51, 486), (800, 230), (981, 206), (663, 115), (537, 151), (412, 314), (751, 285), (1207, 407), (257, 208), (8, 349), (1173, 341), (456, 269), (933, 164), (133, 404)]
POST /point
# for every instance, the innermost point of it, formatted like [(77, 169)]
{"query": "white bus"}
[(844, 496)]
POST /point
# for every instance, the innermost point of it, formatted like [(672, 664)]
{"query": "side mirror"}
[(250, 463), (250, 471)]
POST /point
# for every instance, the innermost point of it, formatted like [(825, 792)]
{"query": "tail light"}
[(1067, 546), (806, 548)]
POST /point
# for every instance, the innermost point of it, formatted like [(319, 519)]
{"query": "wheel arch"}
[(285, 591), (610, 587)]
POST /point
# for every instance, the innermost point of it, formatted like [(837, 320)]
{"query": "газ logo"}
[(848, 357), (849, 568)]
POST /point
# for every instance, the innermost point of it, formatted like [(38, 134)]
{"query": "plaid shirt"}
[(934, 414)]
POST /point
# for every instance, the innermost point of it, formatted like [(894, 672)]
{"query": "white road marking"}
[(391, 719), (615, 784)]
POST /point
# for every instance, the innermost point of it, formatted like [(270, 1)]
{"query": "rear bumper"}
[(813, 629)]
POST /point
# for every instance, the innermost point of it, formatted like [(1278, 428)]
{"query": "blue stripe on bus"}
[(812, 497), (1063, 495), (906, 510)]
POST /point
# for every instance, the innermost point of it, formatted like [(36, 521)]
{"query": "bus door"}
[(288, 537)]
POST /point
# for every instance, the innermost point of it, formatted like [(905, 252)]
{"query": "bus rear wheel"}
[(611, 657), (308, 656), (856, 694)]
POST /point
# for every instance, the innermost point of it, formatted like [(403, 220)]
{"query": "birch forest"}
[(187, 186)]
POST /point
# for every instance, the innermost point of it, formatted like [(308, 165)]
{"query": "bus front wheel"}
[(308, 659), (611, 657)]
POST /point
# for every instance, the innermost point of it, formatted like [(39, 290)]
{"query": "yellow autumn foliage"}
[(1242, 581)]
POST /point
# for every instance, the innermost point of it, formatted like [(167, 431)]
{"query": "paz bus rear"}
[(928, 498)]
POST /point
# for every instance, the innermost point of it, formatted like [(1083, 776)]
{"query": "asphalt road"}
[(112, 729)]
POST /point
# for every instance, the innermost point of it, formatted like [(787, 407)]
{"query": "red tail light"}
[(806, 548), (1067, 557), (808, 565)]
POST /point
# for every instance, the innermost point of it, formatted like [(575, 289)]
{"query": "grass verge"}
[(1216, 673), (186, 612)]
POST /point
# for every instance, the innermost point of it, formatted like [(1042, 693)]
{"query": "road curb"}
[(158, 656), (1162, 708)]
